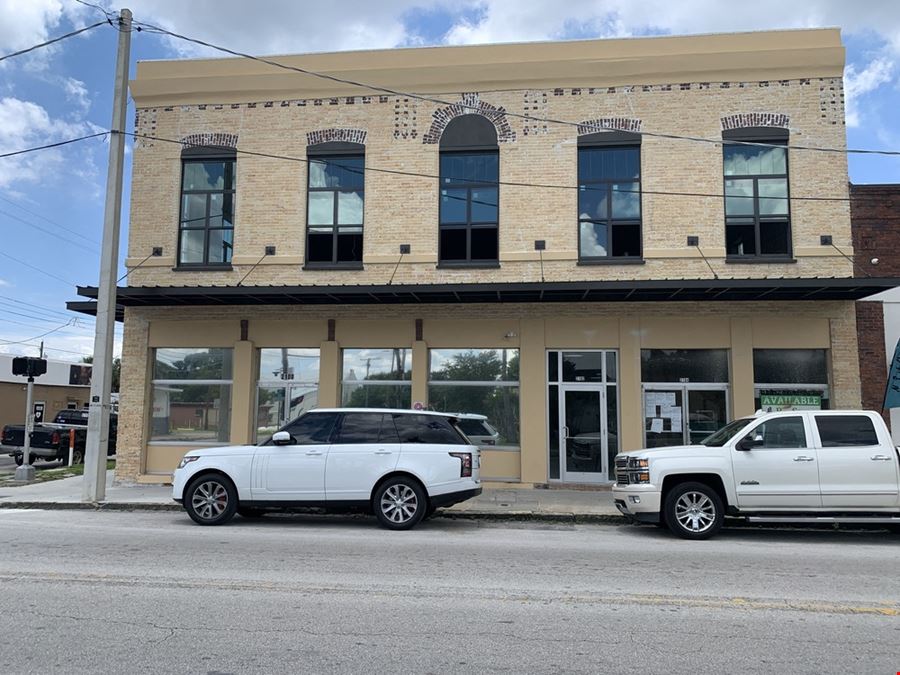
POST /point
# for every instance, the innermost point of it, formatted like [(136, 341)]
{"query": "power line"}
[(48, 220), (49, 232), (54, 40), (31, 339), (52, 145), (38, 269), (150, 28), (488, 183)]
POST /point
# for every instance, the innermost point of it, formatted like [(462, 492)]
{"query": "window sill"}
[(318, 267), (611, 261), (760, 260), (202, 268), (468, 265)]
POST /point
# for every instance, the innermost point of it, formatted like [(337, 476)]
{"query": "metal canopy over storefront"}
[(664, 290)]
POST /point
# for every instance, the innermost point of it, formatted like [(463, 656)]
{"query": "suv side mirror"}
[(283, 438), (749, 443)]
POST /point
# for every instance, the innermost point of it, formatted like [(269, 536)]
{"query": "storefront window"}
[(482, 385), (191, 395), (684, 365), (377, 378), (288, 386), (791, 379)]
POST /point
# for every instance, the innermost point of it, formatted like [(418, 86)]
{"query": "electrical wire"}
[(48, 220), (151, 28), (53, 145), (31, 339), (83, 247), (38, 269), (54, 40)]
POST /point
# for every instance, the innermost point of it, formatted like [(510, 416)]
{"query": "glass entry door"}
[(683, 414), (583, 434)]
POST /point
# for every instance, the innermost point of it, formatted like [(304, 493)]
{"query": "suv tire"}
[(400, 503), (694, 511), (211, 500)]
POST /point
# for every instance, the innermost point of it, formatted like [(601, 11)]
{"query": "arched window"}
[(757, 204), (206, 225), (335, 201), (609, 196), (469, 192)]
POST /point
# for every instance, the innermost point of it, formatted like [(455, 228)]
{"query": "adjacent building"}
[(65, 386), (595, 245)]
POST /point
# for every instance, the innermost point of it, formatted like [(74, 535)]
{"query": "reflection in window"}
[(757, 210), (377, 378), (684, 365), (791, 379), (781, 432), (335, 205), (482, 385), (288, 387), (191, 394), (206, 225), (609, 202)]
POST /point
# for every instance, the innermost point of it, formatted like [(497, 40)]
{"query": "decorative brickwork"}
[(756, 119), (609, 124), (334, 134), (470, 104), (405, 113), (211, 139)]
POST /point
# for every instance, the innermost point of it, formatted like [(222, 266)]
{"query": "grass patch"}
[(44, 475)]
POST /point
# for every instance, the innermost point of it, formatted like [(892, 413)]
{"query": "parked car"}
[(477, 429), (50, 442), (399, 464), (836, 466)]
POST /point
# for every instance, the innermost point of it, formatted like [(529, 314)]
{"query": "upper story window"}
[(609, 196), (335, 200), (470, 170), (206, 226), (757, 209)]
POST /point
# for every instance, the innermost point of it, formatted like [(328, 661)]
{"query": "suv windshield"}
[(726, 433)]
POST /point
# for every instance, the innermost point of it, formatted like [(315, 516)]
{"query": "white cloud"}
[(859, 83), (25, 124), (24, 23), (4, 283), (77, 93)]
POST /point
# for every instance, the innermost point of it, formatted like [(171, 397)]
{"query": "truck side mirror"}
[(747, 443)]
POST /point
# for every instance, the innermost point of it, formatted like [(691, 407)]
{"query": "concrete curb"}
[(521, 516)]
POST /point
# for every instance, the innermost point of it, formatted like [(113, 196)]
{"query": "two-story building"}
[(595, 245)]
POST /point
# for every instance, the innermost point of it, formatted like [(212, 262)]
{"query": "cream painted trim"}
[(393, 259), (749, 56), (823, 252), (501, 479), (154, 479), (534, 256), (160, 261), (708, 251), (268, 260)]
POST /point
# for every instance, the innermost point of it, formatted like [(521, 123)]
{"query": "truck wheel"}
[(694, 511), (77, 456)]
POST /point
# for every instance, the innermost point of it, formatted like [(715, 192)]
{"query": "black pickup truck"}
[(50, 442)]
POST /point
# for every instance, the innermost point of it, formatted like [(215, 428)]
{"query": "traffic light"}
[(29, 366)]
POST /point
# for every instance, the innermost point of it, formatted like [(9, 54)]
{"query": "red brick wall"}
[(875, 224)]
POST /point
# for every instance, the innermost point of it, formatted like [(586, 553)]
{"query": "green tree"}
[(116, 370)]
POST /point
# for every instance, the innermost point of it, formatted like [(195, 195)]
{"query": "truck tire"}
[(694, 511)]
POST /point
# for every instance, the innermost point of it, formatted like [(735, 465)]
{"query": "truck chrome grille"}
[(621, 470)]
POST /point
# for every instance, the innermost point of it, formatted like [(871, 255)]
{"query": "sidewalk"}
[(498, 503)]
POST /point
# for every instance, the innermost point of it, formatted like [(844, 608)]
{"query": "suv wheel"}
[(210, 500), (694, 511), (400, 503)]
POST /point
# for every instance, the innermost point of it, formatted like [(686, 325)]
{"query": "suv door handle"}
[(880, 458), (382, 452), (803, 458), (314, 452)]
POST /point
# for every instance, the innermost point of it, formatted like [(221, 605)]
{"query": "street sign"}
[(39, 407)]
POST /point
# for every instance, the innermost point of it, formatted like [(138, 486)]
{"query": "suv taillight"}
[(465, 463)]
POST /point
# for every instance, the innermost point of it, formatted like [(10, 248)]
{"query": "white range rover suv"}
[(399, 464), (823, 466)]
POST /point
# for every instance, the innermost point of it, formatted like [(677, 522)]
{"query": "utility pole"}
[(94, 489)]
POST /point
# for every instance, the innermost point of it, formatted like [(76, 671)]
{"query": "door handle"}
[(880, 458), (803, 458), (382, 452), (314, 452)]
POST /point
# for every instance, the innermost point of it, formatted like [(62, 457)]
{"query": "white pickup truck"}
[(837, 466)]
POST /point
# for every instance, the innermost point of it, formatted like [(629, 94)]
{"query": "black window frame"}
[(468, 135), (612, 140), (201, 155), (771, 136), (334, 151)]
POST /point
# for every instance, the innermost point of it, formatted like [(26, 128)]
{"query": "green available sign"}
[(775, 402)]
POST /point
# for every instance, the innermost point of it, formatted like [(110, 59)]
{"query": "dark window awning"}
[(655, 290)]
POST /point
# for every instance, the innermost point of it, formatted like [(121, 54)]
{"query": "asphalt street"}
[(139, 592)]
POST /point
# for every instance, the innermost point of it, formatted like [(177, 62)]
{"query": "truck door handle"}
[(313, 452), (803, 458), (880, 458), (382, 452)]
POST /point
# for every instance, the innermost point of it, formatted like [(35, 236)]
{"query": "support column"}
[(631, 434), (329, 374), (533, 401), (243, 393), (420, 372), (742, 392)]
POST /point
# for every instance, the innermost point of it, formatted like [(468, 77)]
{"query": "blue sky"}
[(51, 202)]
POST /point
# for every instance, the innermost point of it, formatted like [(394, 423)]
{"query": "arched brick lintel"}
[(470, 104), (609, 124), (755, 119), (211, 139), (335, 134)]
